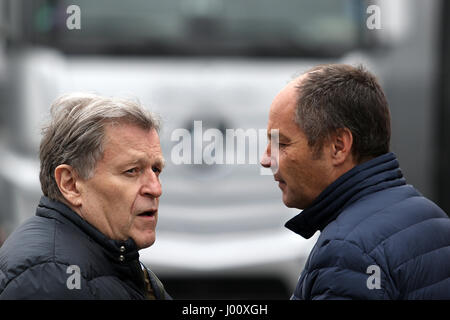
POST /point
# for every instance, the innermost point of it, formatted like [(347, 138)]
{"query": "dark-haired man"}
[(380, 238)]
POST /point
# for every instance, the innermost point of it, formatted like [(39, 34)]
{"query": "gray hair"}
[(75, 133)]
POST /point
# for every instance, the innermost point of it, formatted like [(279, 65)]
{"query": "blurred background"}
[(220, 231)]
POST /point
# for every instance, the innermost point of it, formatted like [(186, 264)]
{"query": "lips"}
[(147, 213), (281, 183), (278, 179)]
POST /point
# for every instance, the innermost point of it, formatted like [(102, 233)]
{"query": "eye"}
[(131, 171), (156, 170)]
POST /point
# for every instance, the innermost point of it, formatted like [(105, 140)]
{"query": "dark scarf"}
[(374, 175)]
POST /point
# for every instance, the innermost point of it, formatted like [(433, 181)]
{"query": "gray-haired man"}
[(100, 166)]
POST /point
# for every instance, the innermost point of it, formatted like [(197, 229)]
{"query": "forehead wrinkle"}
[(123, 141), (145, 158)]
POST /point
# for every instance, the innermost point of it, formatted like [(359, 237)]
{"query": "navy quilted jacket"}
[(58, 255), (380, 239)]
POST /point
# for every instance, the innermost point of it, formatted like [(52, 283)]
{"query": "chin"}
[(144, 242), (288, 203), (292, 203)]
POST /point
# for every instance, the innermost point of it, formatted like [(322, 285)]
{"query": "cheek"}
[(296, 173), (117, 202), (282, 160), (289, 166)]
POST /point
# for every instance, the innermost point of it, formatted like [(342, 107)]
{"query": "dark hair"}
[(338, 96)]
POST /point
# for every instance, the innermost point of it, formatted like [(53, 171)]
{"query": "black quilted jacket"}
[(58, 255)]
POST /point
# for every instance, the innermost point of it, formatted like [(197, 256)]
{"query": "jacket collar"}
[(119, 251), (374, 175)]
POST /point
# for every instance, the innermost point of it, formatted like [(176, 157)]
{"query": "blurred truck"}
[(221, 228)]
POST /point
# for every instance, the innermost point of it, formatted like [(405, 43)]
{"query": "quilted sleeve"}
[(341, 270)]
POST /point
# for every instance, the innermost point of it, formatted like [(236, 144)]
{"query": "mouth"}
[(147, 214), (281, 183)]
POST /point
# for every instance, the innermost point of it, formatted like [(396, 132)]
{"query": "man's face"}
[(301, 175), (122, 197)]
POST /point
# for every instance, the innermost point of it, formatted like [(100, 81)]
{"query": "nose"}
[(151, 186), (266, 160)]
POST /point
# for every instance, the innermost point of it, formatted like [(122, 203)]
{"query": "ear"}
[(66, 179), (341, 146)]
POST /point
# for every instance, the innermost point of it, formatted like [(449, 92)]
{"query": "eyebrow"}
[(159, 161), (280, 135)]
